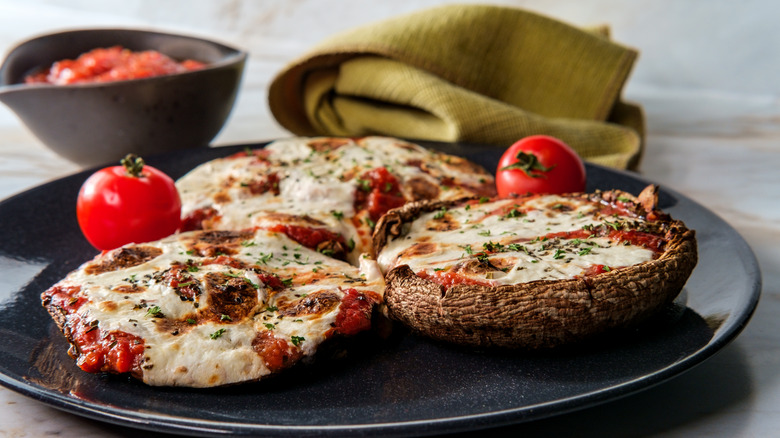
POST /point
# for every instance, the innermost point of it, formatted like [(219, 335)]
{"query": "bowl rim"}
[(233, 56)]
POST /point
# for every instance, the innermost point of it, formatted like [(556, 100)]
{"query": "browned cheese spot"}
[(174, 327), (108, 306), (128, 289), (444, 223), (420, 188), (219, 242), (418, 249), (230, 299), (483, 266), (290, 219), (125, 257), (319, 302)]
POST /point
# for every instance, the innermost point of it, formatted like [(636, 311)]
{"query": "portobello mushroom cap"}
[(539, 314)]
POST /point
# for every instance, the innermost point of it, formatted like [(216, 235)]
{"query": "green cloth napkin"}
[(467, 73)]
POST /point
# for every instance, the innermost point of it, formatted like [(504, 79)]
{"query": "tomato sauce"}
[(260, 154), (113, 352), (95, 350), (639, 238), (378, 193), (598, 269), (617, 208), (306, 236), (263, 185), (448, 279), (355, 313), (277, 353), (185, 286), (63, 298), (577, 234), (194, 220), (111, 64), (225, 260)]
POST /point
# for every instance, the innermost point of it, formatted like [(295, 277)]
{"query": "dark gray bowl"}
[(98, 123)]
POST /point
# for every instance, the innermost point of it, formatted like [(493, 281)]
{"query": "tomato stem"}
[(528, 162), (133, 164)]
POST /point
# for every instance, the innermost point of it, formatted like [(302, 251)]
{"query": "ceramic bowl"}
[(98, 123)]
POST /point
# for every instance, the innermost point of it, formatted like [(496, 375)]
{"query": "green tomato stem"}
[(528, 162), (133, 165)]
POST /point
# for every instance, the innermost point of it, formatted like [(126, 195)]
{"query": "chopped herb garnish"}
[(296, 340), (364, 184), (440, 214), (218, 333), (516, 247), (154, 311), (513, 213), (493, 246), (483, 258), (225, 318)]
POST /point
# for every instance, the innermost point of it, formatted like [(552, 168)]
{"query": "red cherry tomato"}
[(540, 164), (131, 203)]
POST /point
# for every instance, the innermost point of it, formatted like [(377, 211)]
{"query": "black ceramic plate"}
[(401, 386)]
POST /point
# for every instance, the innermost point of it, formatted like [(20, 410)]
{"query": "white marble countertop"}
[(705, 80)]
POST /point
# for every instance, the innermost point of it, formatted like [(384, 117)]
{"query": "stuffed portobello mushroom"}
[(534, 271)]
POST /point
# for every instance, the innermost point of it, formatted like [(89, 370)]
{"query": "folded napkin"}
[(467, 73)]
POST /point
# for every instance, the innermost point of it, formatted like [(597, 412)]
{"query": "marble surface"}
[(706, 78)]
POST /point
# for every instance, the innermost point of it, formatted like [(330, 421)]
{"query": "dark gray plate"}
[(401, 386)]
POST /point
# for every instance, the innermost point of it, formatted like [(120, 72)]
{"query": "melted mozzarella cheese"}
[(516, 244), (209, 353), (318, 184), (304, 192)]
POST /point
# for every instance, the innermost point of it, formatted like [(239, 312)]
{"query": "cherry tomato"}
[(540, 164), (131, 203)]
